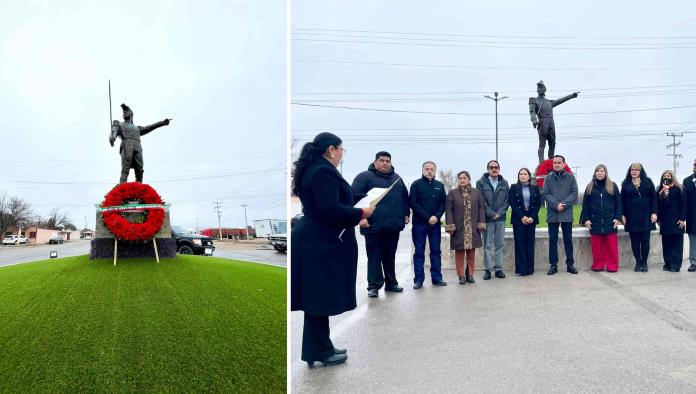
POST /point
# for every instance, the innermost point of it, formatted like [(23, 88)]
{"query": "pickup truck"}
[(188, 243), (279, 242), (14, 240)]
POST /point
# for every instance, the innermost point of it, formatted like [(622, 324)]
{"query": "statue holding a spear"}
[(131, 151)]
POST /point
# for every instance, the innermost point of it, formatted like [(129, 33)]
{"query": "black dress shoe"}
[(394, 289), (417, 285), (692, 268), (333, 360), (470, 279), (373, 293), (665, 268), (644, 268), (597, 269), (553, 269), (462, 280), (500, 274), (340, 351), (440, 283), (674, 270), (487, 275), (572, 270), (639, 267)]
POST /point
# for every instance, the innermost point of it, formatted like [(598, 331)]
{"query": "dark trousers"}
[(524, 248), (419, 234), (567, 228), (381, 253), (640, 244), (316, 344), (547, 132), (673, 250)]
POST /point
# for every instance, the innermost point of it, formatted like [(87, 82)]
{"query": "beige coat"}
[(465, 218)]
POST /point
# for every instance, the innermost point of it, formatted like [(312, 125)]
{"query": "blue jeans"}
[(419, 233)]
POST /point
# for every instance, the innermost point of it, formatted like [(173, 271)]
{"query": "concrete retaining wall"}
[(581, 250)]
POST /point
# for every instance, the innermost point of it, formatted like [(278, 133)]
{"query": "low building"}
[(37, 235)]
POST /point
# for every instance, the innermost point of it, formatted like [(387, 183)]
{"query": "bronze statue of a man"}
[(541, 112), (131, 151)]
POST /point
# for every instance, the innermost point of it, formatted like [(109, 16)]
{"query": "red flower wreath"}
[(544, 168), (119, 225)]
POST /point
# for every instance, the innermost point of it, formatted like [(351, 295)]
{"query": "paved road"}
[(592, 332), (263, 254), (10, 255)]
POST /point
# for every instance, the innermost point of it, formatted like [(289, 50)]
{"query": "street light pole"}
[(496, 99)]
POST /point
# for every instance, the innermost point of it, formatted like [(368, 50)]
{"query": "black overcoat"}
[(324, 252), (670, 210), (690, 192), (516, 200), (601, 208), (638, 205)]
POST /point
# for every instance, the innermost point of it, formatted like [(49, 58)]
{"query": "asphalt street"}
[(592, 332), (10, 255)]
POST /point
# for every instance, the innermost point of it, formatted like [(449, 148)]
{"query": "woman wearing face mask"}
[(465, 218), (525, 201), (639, 202), (671, 214), (601, 213)]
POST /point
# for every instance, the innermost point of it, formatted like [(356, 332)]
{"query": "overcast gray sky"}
[(443, 56), (216, 67)]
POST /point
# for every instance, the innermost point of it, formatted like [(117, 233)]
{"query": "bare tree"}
[(14, 212), (57, 221), (447, 179)]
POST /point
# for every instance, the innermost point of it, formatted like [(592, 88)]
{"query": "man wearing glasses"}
[(494, 190)]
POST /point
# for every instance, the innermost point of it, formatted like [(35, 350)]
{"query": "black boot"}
[(572, 269), (553, 269)]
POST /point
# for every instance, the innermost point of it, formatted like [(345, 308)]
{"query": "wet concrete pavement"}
[(592, 332)]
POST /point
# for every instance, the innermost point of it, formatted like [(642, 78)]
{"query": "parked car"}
[(279, 242), (187, 243), (56, 240), (14, 240)]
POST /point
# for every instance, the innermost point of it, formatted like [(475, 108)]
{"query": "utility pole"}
[(674, 153), (496, 99), (197, 231), (575, 171), (246, 225), (218, 209)]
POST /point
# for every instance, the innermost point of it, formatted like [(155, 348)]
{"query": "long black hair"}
[(310, 153)]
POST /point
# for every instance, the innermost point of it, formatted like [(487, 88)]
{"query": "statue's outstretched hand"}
[(575, 94), (166, 121)]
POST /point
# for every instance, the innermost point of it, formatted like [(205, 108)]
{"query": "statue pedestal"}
[(102, 246)]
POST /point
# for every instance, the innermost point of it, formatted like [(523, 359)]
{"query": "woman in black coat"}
[(324, 254), (671, 215), (601, 214), (639, 202), (525, 201)]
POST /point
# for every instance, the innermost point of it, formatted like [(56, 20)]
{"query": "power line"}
[(484, 92), (401, 129), (675, 46), (486, 114), (501, 36), (570, 45)]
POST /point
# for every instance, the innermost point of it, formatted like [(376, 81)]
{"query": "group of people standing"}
[(324, 247)]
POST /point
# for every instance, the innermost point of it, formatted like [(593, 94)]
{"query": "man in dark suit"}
[(690, 191)]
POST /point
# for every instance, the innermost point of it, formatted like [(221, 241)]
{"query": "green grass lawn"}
[(189, 324), (542, 216)]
